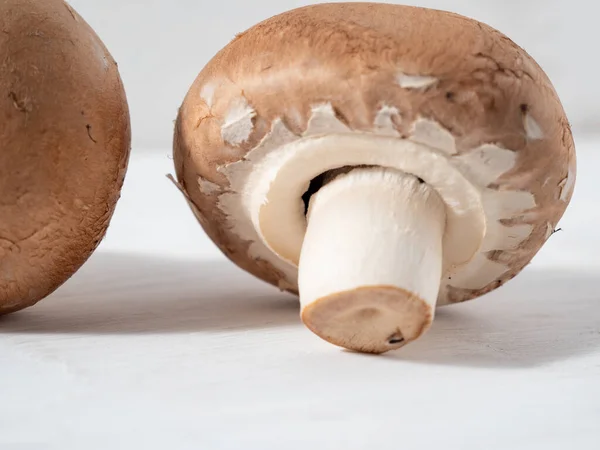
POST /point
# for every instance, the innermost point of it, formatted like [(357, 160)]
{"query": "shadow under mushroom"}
[(541, 317), (134, 294)]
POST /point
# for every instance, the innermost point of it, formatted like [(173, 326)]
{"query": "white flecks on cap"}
[(567, 185), (480, 272), (486, 163), (283, 158), (238, 124), (207, 93), (238, 203), (432, 134), (503, 237), (532, 128), (208, 187), (415, 81), (321, 121), (385, 120), (237, 172)]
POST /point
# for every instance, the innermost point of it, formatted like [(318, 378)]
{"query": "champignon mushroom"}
[(64, 146), (381, 160)]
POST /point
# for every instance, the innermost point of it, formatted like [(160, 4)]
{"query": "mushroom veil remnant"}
[(65, 138), (378, 160)]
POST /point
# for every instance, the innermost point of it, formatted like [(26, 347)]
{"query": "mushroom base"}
[(371, 261), (369, 319)]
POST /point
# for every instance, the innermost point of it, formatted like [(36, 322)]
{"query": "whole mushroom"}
[(64, 146), (379, 160)]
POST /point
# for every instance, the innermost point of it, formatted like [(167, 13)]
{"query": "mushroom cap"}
[(64, 146), (407, 73)]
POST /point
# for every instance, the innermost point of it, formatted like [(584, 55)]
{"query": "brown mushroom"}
[(64, 146), (381, 160)]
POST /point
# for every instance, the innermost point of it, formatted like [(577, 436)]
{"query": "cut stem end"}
[(371, 261), (372, 319)]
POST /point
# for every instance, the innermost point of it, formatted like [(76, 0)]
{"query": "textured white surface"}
[(160, 343)]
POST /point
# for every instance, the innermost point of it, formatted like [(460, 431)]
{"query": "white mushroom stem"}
[(371, 261)]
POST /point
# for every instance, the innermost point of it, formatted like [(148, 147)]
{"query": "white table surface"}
[(159, 342)]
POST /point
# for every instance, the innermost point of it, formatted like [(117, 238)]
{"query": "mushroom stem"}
[(371, 261)]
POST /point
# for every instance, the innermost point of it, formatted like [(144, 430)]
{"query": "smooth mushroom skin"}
[(64, 146), (375, 64)]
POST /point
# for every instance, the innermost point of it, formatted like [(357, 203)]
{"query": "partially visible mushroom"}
[(381, 160), (64, 146)]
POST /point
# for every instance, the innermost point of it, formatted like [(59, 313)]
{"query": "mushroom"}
[(379, 160), (64, 146)]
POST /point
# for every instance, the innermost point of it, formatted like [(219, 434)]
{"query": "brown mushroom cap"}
[(64, 146), (361, 58)]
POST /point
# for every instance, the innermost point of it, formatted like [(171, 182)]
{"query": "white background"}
[(159, 342)]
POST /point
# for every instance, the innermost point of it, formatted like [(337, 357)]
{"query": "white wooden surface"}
[(160, 343)]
